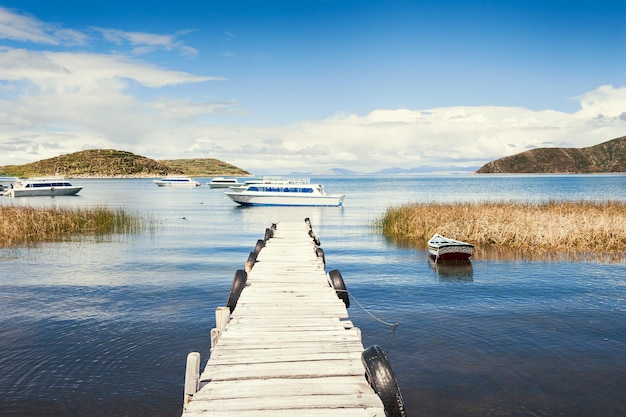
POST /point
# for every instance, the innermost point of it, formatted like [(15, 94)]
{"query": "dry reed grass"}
[(578, 229), (27, 225)]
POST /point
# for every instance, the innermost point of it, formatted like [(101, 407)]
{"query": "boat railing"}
[(44, 179), (286, 180)]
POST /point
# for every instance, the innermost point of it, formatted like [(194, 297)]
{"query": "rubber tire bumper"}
[(382, 379), (239, 282), (336, 280)]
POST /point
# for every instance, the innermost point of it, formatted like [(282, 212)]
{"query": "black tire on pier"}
[(252, 258), (259, 245), (382, 379), (336, 280), (313, 236), (269, 233), (320, 254), (239, 282)]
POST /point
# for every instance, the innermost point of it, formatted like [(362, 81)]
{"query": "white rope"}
[(392, 326)]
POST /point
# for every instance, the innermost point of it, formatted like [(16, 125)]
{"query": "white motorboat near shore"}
[(175, 181), (44, 186), (284, 192), (440, 247)]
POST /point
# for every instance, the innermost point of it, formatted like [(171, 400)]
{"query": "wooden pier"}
[(284, 344)]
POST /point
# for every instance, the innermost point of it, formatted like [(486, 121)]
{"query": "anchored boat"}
[(177, 182), (44, 186), (222, 182), (440, 247), (284, 192)]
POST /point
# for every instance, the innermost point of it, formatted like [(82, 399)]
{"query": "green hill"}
[(603, 158), (114, 163)]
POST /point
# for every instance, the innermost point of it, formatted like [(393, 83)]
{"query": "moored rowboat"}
[(440, 247)]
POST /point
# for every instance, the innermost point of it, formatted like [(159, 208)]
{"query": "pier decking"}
[(287, 348)]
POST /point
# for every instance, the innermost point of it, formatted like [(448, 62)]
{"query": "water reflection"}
[(453, 269)]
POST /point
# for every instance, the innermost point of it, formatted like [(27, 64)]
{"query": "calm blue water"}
[(102, 327)]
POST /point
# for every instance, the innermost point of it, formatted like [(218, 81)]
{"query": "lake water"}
[(102, 327)]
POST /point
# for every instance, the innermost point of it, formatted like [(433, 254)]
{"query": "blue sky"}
[(309, 85)]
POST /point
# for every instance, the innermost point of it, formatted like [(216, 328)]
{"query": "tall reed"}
[(576, 228), (22, 225)]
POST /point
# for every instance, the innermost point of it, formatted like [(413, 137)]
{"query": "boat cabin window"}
[(280, 189)]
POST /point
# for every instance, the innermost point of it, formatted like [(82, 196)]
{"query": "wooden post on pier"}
[(192, 376)]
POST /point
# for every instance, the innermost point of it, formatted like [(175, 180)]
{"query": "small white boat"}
[(44, 186), (440, 247), (284, 192), (222, 182), (172, 181)]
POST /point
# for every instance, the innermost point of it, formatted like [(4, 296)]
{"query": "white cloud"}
[(80, 101), (603, 102), (144, 43), (461, 136), (25, 28)]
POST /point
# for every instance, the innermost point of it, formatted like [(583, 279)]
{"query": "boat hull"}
[(455, 252), (266, 199), (177, 182), (178, 185)]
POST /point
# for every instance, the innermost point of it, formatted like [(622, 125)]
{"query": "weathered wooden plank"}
[(300, 412), (296, 369), (312, 335), (288, 321), (254, 388), (287, 402), (283, 355)]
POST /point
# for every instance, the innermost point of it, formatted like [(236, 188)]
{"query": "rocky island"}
[(103, 163), (607, 157)]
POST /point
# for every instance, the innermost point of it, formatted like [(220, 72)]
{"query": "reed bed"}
[(27, 225), (578, 229)]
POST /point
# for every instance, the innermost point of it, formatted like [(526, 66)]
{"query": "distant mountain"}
[(426, 169), (327, 172), (114, 163), (603, 158)]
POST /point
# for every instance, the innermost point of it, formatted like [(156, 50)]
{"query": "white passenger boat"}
[(440, 247), (222, 182), (172, 181), (45, 186), (284, 192)]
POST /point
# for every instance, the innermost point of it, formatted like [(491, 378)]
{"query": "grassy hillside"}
[(603, 158), (114, 163)]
